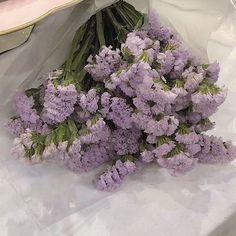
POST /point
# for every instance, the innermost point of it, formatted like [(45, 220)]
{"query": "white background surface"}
[(49, 200)]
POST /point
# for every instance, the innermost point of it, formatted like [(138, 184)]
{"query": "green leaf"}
[(140, 23), (72, 128), (127, 158), (60, 133), (162, 140), (175, 151), (29, 152), (183, 128), (206, 87), (32, 92)]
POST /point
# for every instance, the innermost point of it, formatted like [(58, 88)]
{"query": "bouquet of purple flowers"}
[(130, 94)]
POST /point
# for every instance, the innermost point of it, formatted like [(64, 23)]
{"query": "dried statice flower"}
[(207, 102), (91, 157), (135, 45), (95, 132), (126, 141), (140, 120), (120, 113), (165, 126), (112, 178), (75, 148), (181, 56), (187, 138), (58, 103), (21, 143), (216, 151), (213, 71), (154, 28), (25, 108), (105, 103), (129, 78), (165, 62), (163, 149), (56, 152), (156, 93), (147, 156), (179, 164), (204, 125), (89, 101), (193, 117), (142, 105), (192, 79), (16, 127), (193, 148), (106, 62)]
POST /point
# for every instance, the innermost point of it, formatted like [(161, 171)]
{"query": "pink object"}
[(18, 14)]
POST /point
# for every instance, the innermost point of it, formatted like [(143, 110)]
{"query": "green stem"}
[(120, 29), (131, 11), (84, 50), (114, 21), (124, 17), (76, 40), (100, 29)]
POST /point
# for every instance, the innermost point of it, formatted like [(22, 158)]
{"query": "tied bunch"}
[(144, 100)]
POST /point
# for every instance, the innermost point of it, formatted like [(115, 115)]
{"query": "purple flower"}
[(147, 156), (215, 150), (193, 149), (90, 158), (204, 125), (166, 126), (163, 149), (75, 149), (142, 106), (58, 103), (213, 71), (95, 132), (135, 45), (193, 117), (188, 138), (178, 164), (140, 120), (192, 80), (80, 115), (126, 141), (165, 62), (89, 101), (181, 58), (182, 100), (120, 113), (105, 103), (207, 103), (112, 178), (128, 79), (156, 93), (16, 127), (155, 30), (106, 62), (24, 108)]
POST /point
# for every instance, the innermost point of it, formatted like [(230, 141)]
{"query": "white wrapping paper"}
[(50, 200)]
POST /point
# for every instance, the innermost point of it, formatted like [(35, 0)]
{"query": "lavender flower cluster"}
[(152, 105)]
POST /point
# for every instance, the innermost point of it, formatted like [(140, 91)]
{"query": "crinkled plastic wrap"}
[(47, 199)]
